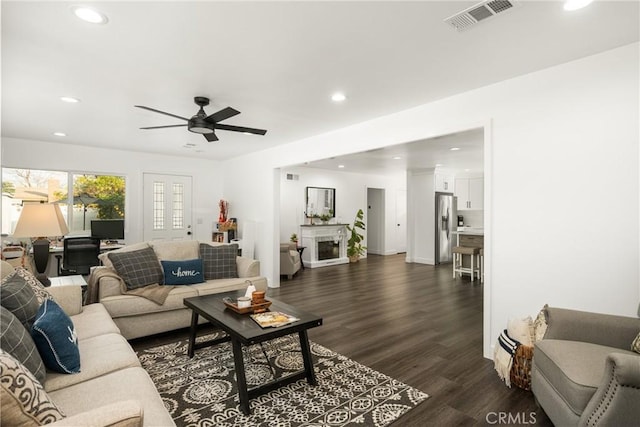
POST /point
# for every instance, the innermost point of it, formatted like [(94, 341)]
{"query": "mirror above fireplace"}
[(321, 201)]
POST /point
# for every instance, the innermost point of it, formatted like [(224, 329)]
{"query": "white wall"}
[(421, 225), (351, 195), (557, 141), (207, 176)]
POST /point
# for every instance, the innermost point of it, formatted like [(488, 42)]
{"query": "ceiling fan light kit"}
[(203, 124)]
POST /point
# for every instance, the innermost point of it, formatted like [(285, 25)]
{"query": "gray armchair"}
[(584, 373), (290, 261)]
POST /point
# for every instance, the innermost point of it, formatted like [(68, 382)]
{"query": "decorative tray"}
[(255, 308)]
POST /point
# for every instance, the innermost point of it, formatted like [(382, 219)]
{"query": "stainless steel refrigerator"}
[(445, 219)]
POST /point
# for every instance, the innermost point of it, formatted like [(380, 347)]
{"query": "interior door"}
[(401, 221), (167, 207)]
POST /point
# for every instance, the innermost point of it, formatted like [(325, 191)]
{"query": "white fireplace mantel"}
[(313, 234)]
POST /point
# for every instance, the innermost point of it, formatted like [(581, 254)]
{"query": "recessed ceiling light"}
[(454, 148), (439, 165), (69, 99), (576, 4), (338, 97), (89, 15), (396, 157), (341, 166), (467, 170), (60, 134)]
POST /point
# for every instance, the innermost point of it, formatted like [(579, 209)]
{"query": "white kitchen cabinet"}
[(470, 193), (444, 182)]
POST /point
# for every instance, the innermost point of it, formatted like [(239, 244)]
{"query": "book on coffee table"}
[(273, 319)]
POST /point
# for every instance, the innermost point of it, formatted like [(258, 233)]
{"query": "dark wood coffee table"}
[(242, 330)]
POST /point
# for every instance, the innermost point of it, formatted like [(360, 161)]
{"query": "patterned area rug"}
[(202, 391)]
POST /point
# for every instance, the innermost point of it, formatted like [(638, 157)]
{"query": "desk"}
[(52, 267)]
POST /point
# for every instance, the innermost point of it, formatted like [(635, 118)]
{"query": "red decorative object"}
[(224, 208)]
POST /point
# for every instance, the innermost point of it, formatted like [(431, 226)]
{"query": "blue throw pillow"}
[(56, 339), (186, 272)]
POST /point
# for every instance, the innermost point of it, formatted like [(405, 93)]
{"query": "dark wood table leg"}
[(192, 333), (306, 357), (300, 250), (241, 380)]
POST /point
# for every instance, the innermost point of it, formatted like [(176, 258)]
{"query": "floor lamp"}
[(40, 220)]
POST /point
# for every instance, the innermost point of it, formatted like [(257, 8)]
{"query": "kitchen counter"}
[(470, 231), (468, 236)]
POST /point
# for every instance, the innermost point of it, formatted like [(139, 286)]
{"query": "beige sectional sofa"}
[(137, 317), (112, 388)]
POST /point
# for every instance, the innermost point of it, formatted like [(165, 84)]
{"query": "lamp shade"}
[(40, 220)]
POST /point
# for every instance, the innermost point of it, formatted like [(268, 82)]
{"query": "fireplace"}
[(328, 249), (325, 245)]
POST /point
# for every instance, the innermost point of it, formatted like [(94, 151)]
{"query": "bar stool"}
[(458, 257)]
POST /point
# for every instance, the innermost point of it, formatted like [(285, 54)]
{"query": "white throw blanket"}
[(503, 353)]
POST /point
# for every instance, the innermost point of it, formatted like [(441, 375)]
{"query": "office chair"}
[(78, 256)]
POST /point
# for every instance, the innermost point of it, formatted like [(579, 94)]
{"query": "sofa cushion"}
[(17, 341), (100, 355), (635, 345), (186, 272), (225, 285), (137, 268), (17, 296), (24, 401), (219, 261), (575, 368), (125, 384), (177, 250), (94, 320), (131, 305), (56, 339)]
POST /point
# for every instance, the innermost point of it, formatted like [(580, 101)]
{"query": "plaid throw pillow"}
[(137, 268), (38, 288), (219, 261), (17, 341), (17, 296)]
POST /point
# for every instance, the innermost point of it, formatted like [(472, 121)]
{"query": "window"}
[(92, 196), (158, 205)]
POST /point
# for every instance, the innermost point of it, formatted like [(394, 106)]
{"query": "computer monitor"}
[(107, 229)]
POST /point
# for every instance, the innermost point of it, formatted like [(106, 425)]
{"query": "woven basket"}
[(520, 374)]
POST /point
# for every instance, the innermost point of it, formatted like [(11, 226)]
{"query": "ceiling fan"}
[(203, 124)]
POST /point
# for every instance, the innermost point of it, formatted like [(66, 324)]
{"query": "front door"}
[(167, 207)]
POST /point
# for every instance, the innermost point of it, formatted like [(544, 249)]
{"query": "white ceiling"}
[(276, 62), (433, 153)]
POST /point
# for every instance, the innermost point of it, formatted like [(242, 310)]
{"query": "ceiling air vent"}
[(479, 12)]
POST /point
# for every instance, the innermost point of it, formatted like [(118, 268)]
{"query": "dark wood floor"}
[(414, 323)]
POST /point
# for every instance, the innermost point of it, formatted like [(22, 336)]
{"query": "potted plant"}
[(354, 245), (294, 238), (325, 218)]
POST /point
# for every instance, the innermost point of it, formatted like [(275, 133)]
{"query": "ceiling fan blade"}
[(210, 137), (223, 114), (161, 112), (240, 129), (160, 127)]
